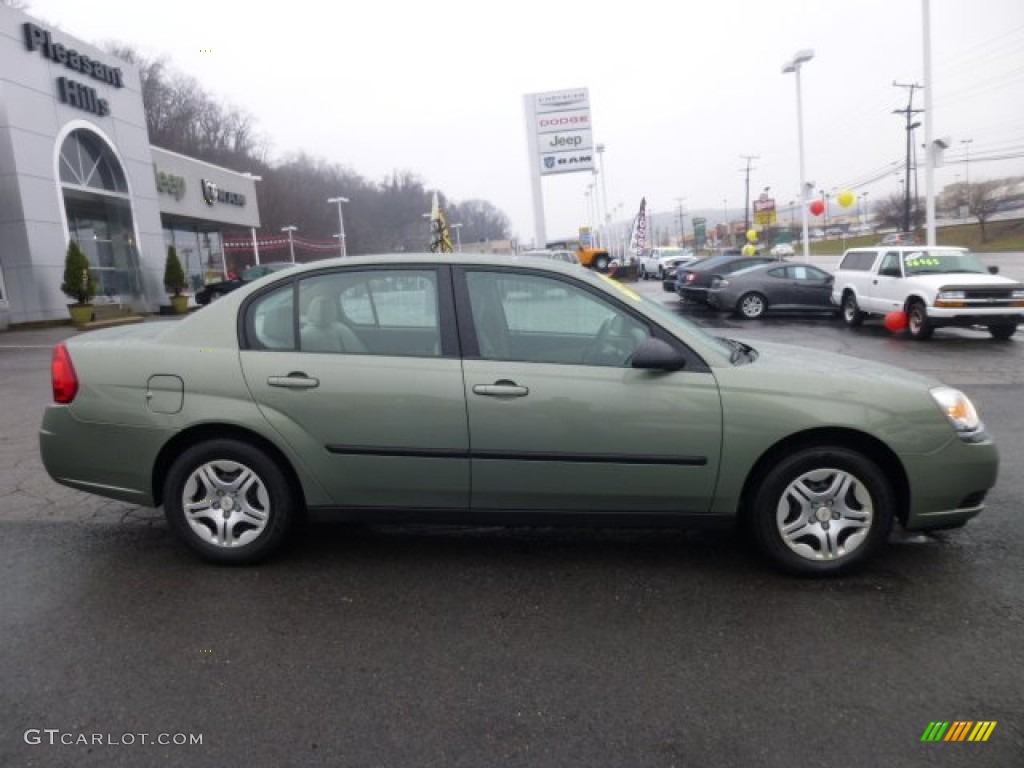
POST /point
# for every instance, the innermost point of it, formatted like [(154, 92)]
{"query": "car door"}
[(559, 420), (809, 286), (358, 371), (888, 291)]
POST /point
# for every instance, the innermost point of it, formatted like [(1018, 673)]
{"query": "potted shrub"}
[(78, 284), (174, 281)]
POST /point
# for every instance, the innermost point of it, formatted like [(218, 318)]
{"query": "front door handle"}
[(294, 380), (501, 388)]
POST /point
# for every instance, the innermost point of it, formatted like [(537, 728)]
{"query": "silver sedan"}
[(753, 291)]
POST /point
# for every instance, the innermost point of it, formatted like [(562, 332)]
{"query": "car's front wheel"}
[(852, 315), (1002, 332), (601, 263), (228, 501), (821, 510), (919, 326)]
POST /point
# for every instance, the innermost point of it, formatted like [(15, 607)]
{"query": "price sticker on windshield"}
[(921, 261)]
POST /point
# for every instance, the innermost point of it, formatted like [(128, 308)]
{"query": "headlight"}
[(951, 295), (958, 409)]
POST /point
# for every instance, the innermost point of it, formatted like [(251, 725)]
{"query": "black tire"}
[(601, 263), (752, 306), (1002, 332), (852, 315), (262, 508), (661, 272), (919, 326), (858, 494)]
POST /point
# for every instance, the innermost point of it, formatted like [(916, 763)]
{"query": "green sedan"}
[(498, 390)]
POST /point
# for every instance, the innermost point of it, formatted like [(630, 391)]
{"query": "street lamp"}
[(458, 237), (794, 65), (341, 221), (255, 245), (291, 243), (967, 170)]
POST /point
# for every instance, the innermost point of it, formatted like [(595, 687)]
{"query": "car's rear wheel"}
[(1002, 332), (852, 315), (822, 510), (919, 326), (661, 272), (752, 305), (228, 501), (601, 263)]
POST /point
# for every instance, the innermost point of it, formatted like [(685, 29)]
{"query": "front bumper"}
[(948, 487)]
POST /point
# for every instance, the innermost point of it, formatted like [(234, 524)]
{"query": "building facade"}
[(76, 164)]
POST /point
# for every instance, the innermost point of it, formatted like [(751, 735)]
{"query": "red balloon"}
[(817, 207), (896, 320)]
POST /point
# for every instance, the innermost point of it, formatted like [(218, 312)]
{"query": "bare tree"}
[(982, 202), (889, 212)]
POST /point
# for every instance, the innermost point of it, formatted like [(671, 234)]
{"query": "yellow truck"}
[(592, 258)]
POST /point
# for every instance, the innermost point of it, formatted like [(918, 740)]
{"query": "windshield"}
[(935, 261)]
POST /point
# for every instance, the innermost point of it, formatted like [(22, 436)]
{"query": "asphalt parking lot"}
[(399, 645)]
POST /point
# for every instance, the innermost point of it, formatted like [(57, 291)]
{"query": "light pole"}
[(967, 171), (291, 243), (255, 245), (458, 237), (341, 221), (606, 216), (794, 65)]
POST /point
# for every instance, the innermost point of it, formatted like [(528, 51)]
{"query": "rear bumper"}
[(105, 459)]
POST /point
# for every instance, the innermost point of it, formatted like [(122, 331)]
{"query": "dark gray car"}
[(753, 291)]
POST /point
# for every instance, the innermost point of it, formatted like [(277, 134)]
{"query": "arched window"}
[(86, 161)]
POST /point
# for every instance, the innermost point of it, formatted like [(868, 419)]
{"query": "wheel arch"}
[(209, 431), (871, 447)]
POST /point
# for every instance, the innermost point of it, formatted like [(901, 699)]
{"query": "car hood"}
[(964, 279), (822, 372)]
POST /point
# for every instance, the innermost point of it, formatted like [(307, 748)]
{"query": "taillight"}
[(691, 277), (62, 373)]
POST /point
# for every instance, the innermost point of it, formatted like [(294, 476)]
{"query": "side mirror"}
[(993, 270), (655, 355)]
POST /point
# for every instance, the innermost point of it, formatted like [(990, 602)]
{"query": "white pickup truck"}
[(935, 285)]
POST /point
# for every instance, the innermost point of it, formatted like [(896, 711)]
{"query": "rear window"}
[(859, 261)]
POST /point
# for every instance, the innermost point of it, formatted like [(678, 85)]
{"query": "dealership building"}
[(76, 164)]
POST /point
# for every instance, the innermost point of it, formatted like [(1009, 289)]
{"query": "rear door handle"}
[(501, 388), (294, 380)]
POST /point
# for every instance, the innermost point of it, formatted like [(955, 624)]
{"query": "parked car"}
[(782, 250), (693, 281), (214, 291), (669, 267), (654, 262), (567, 257), (455, 387), (900, 238), (755, 290), (935, 286)]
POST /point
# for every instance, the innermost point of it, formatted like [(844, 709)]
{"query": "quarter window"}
[(271, 320)]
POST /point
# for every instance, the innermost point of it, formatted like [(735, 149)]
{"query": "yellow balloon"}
[(846, 198), (748, 250), (752, 235)]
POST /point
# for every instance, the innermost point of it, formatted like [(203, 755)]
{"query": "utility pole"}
[(746, 206), (909, 112), (682, 223)]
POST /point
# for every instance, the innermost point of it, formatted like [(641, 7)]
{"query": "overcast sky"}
[(679, 90)]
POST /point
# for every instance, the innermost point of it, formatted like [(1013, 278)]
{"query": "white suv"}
[(935, 285)]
